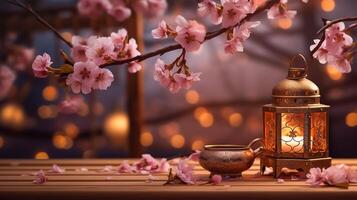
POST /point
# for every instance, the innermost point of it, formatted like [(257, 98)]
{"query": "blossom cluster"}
[(336, 49), (120, 9), (339, 175)]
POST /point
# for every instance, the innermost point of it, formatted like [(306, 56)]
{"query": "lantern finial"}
[(296, 73)]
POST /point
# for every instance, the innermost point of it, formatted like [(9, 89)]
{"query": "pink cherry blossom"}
[(151, 8), (71, 104), (131, 50), (280, 11), (101, 51), (335, 175), (7, 78), (20, 57), (40, 177), (235, 10), (125, 167), (279, 180), (41, 64), (161, 31), (83, 77), (190, 34), (186, 81), (149, 164), (119, 11), (195, 156), (57, 169), (134, 67), (103, 79), (314, 177), (162, 74), (322, 53), (79, 53), (184, 171), (119, 38), (211, 9), (216, 179), (93, 8), (107, 168)]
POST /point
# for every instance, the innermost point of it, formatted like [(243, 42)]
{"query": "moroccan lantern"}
[(295, 125)]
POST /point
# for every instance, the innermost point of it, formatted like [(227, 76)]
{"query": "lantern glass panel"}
[(318, 132), (269, 131), (292, 132)]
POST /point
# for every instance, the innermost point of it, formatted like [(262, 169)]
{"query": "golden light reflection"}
[(351, 119), (333, 73), (41, 155), (62, 141), (192, 97), (235, 119), (116, 125), (146, 139), (328, 5), (50, 93), (47, 111), (285, 23), (177, 141), (2, 142), (197, 145), (12, 115), (71, 129)]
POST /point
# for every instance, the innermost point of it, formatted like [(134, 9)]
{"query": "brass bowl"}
[(229, 160)]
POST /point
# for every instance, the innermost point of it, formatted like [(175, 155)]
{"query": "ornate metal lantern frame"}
[(296, 125)]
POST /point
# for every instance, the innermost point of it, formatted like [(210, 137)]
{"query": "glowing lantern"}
[(295, 125)]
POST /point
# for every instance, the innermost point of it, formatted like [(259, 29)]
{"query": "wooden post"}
[(135, 90)]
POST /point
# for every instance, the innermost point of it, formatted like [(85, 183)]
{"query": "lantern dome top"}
[(296, 89)]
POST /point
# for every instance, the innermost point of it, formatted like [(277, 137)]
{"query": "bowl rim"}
[(225, 147)]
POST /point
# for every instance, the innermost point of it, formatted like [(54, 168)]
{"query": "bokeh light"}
[(199, 111), (333, 73), (12, 115), (47, 111), (328, 5), (116, 125), (41, 155), (351, 119), (71, 130), (50, 93), (197, 145), (192, 97), (62, 141), (235, 119), (206, 119), (146, 139), (285, 23), (177, 141)]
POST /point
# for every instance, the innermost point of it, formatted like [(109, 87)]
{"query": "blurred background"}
[(224, 107)]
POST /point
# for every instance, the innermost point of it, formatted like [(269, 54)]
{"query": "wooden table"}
[(100, 185)]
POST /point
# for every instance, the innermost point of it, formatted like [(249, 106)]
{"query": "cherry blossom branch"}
[(29, 9), (178, 46), (326, 26)]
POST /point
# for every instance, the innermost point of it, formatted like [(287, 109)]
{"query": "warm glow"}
[(62, 141), (116, 125), (50, 93), (351, 119), (177, 141), (146, 139), (199, 111), (328, 5), (12, 114), (333, 73), (197, 145), (41, 155), (226, 112), (71, 130), (46, 112), (285, 23), (2, 142), (259, 2), (206, 119), (192, 97), (83, 110), (292, 132), (168, 130), (235, 119)]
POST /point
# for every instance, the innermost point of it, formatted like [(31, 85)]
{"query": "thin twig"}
[(40, 19), (326, 26)]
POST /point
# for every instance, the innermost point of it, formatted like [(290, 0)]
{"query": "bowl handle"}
[(258, 151)]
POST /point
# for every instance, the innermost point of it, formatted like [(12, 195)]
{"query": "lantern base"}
[(302, 164)]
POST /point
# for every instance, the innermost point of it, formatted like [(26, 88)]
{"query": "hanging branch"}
[(328, 25), (161, 51), (29, 9)]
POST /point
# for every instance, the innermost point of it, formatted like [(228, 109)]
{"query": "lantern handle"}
[(301, 74)]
